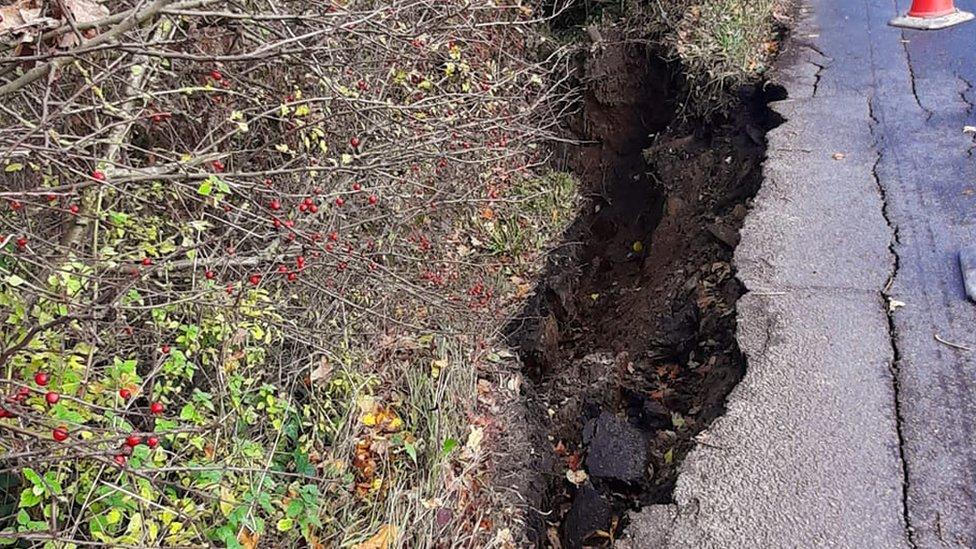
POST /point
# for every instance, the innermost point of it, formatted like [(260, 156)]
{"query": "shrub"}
[(261, 250)]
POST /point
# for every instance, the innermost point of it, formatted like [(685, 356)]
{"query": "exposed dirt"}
[(630, 343)]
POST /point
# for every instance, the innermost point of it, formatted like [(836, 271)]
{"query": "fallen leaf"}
[(322, 372), (969, 129), (382, 539), (576, 477), (248, 539), (894, 305), (839, 156), (475, 437)]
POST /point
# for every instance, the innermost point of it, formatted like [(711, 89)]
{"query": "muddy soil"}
[(630, 343)]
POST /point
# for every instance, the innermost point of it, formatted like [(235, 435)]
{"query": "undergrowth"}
[(253, 260)]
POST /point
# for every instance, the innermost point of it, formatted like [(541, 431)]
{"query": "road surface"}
[(854, 425)]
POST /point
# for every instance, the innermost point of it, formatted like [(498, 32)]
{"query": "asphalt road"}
[(854, 425)]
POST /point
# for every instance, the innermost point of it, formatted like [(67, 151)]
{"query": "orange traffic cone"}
[(931, 15)]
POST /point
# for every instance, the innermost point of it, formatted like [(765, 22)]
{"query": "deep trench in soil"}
[(630, 341)]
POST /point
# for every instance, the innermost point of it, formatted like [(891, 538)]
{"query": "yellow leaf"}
[(382, 539), (369, 419)]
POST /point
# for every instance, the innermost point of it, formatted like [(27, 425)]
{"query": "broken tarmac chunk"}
[(589, 514), (967, 260), (615, 449)]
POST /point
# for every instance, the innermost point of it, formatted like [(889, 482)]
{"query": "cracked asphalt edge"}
[(739, 498)]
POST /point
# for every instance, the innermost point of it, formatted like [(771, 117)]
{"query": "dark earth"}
[(630, 342)]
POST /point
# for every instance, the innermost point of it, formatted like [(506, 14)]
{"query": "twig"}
[(959, 346)]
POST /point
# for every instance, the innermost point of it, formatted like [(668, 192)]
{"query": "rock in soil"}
[(616, 450), (590, 512)]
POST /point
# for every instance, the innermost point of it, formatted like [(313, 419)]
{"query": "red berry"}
[(152, 442), (51, 397), (289, 223), (60, 434), (334, 236), (41, 378), (308, 201), (275, 205), (303, 207), (209, 274), (373, 199), (164, 349), (268, 182), (282, 269), (292, 277), (254, 279), (22, 393), (218, 166), (119, 460), (300, 261), (215, 74), (356, 186), (147, 261), (22, 242), (15, 205), (132, 441), (313, 209), (339, 201), (98, 175), (156, 408), (125, 394), (74, 209), (354, 142), (230, 288), (52, 197)]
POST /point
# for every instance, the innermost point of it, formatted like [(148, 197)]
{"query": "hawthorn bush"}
[(254, 259)]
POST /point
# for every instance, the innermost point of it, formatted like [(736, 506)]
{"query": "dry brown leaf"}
[(24, 18), (382, 539), (323, 372), (83, 11), (248, 539), (86, 11), (839, 156)]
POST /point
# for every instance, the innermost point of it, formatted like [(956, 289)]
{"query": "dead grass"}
[(723, 44)]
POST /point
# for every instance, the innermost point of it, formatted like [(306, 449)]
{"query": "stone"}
[(589, 513), (615, 449)]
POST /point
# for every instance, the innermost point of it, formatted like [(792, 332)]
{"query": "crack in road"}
[(911, 74), (886, 300)]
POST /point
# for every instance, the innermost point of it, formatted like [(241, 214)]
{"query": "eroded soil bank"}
[(630, 343)]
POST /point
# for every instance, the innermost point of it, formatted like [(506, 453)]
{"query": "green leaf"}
[(205, 188), (32, 476), (51, 479), (449, 446), (295, 508), (411, 451), (15, 280), (114, 516), (189, 412), (28, 498), (22, 517), (13, 167), (285, 524)]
